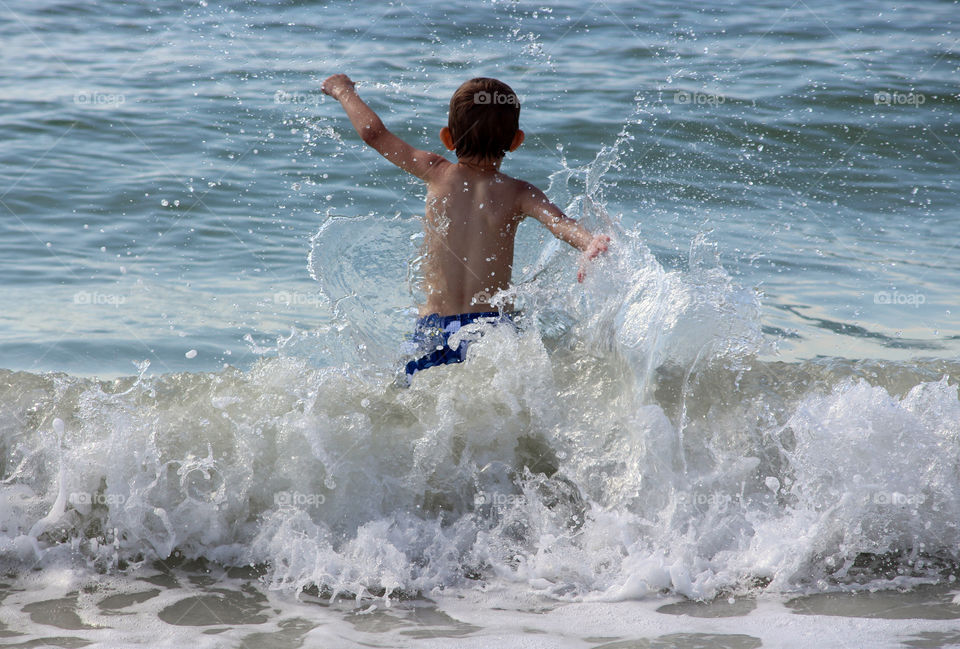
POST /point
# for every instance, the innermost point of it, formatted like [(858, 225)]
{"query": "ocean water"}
[(743, 430)]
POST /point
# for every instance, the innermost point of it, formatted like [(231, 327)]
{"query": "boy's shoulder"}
[(450, 177), (446, 171)]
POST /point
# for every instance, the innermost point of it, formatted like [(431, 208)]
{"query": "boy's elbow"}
[(372, 133)]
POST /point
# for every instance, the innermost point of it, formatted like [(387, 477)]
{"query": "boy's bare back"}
[(471, 224), (472, 211), (469, 237)]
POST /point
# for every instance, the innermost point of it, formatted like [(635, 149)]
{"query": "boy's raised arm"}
[(373, 132), (535, 203)]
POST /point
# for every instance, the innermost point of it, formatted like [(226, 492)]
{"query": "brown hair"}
[(484, 117)]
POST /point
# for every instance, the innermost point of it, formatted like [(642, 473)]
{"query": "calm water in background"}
[(165, 164), (175, 189)]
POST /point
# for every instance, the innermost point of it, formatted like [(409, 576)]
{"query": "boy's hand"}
[(598, 244), (336, 85)]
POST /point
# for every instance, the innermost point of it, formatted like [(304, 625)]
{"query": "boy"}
[(472, 211)]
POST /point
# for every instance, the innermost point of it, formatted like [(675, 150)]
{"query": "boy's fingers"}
[(335, 82), (597, 246)]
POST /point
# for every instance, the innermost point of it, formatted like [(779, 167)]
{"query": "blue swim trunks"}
[(432, 336)]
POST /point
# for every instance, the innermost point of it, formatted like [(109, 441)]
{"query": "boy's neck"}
[(487, 165)]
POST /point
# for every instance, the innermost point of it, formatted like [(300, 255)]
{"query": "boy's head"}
[(484, 120)]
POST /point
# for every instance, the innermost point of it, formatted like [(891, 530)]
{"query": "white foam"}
[(608, 451)]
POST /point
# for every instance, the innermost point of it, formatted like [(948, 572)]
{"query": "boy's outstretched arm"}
[(535, 203), (374, 133)]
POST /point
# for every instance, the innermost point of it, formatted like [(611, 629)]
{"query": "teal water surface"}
[(165, 164)]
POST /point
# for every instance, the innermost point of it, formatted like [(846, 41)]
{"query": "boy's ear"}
[(447, 138), (517, 140)]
